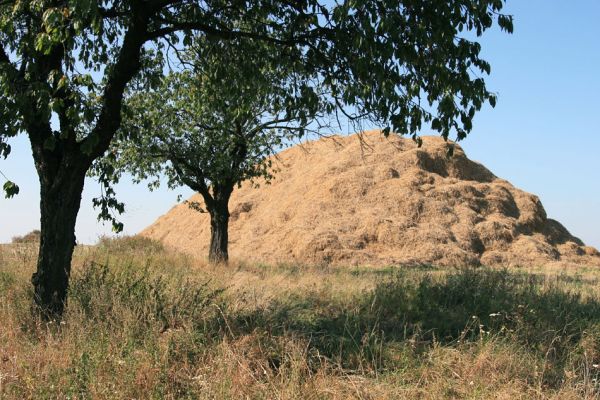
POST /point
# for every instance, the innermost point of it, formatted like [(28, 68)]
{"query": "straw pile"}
[(374, 201)]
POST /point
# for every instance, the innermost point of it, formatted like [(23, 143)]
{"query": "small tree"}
[(65, 66), (213, 126)]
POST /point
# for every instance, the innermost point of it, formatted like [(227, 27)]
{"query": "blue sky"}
[(543, 136)]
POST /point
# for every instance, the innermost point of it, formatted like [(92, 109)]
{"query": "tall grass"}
[(144, 322)]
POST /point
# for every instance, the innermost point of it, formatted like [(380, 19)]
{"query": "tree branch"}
[(197, 185), (5, 59), (224, 33), (127, 65)]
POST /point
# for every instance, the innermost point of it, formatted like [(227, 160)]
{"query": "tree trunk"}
[(60, 199), (219, 225)]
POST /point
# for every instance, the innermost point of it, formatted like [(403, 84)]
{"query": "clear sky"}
[(543, 135)]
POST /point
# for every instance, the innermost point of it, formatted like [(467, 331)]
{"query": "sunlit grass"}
[(145, 322)]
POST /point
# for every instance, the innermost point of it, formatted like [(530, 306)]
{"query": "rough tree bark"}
[(62, 161), (217, 205), (60, 198), (219, 226)]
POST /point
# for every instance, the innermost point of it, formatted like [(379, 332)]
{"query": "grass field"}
[(143, 322)]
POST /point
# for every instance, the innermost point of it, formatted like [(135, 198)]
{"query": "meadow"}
[(145, 322)]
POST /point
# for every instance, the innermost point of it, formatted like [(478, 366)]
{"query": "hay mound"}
[(379, 201)]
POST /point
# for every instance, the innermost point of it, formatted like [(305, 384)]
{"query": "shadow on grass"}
[(462, 307), (408, 312)]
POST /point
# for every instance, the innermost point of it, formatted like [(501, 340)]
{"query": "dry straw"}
[(368, 200)]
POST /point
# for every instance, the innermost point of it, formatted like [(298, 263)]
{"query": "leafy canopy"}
[(211, 125), (65, 64)]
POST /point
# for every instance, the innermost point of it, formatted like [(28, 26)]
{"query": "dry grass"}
[(144, 322)]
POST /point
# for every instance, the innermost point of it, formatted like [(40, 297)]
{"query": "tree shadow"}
[(536, 311)]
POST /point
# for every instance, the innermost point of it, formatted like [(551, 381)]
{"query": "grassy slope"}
[(143, 322)]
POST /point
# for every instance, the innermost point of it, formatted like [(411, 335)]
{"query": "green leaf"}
[(43, 43), (62, 82), (117, 227), (10, 189)]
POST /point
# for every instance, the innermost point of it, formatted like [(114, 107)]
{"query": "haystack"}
[(370, 200)]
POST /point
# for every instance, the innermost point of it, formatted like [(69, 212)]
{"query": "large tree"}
[(65, 65), (212, 125)]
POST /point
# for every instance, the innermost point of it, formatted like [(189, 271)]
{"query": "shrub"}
[(31, 237), (136, 297)]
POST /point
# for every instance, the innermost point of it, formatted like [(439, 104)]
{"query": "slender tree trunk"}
[(219, 225), (60, 199)]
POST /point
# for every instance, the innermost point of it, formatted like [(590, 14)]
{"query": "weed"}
[(144, 322)]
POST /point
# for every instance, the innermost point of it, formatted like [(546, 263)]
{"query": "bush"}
[(136, 297), (31, 237)]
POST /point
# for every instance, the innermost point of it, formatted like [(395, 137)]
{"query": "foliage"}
[(213, 124), (10, 189), (64, 66), (151, 300)]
